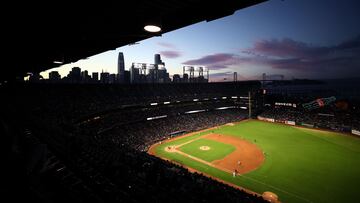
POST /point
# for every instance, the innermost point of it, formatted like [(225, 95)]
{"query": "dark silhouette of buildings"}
[(138, 73), (176, 78), (74, 75), (85, 77), (95, 77), (35, 77), (121, 68), (149, 73), (157, 60), (54, 76), (104, 77)]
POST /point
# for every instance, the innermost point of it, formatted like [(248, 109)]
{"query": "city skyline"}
[(297, 39), (138, 73)]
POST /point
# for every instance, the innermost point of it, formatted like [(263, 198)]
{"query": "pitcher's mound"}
[(170, 149), (270, 196), (205, 148)]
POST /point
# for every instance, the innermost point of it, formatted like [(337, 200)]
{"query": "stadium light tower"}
[(249, 104), (191, 71)]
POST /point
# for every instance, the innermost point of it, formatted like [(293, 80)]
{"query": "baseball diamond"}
[(290, 163)]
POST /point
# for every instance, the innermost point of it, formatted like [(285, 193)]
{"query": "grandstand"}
[(88, 142), (326, 109)]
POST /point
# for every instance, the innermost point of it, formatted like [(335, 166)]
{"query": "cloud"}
[(210, 59), (170, 54), (167, 45), (287, 48), (288, 54), (352, 44), (215, 61)]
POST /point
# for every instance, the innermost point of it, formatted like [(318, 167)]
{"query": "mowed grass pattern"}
[(301, 165), (217, 150)]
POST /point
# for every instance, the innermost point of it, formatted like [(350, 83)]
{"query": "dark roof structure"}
[(67, 31)]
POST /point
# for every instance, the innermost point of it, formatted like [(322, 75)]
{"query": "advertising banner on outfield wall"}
[(307, 125), (266, 119), (355, 132), (290, 122)]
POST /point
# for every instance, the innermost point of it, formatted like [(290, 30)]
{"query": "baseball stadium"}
[(230, 141), (258, 101)]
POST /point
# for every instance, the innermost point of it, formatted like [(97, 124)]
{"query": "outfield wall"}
[(355, 132), (308, 125), (266, 119)]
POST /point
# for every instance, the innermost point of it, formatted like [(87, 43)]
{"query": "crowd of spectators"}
[(97, 137), (141, 135), (67, 103), (140, 175), (327, 117)]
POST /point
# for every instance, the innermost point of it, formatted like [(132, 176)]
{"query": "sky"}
[(295, 38)]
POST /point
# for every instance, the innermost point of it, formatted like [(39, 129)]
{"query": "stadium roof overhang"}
[(39, 36)]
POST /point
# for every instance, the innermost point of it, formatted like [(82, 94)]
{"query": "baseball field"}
[(295, 164)]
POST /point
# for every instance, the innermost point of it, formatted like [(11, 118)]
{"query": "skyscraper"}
[(104, 77), (121, 67), (134, 74), (157, 59), (54, 76), (74, 75), (95, 77)]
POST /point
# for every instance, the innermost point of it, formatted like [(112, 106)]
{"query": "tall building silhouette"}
[(121, 67), (157, 59), (95, 77), (74, 75), (54, 76)]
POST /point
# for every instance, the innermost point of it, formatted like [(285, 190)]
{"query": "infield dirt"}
[(245, 158)]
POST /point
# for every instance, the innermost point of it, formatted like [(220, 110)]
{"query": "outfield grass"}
[(301, 165), (217, 150)]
